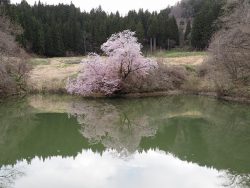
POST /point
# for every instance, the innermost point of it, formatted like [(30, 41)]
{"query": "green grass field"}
[(177, 53), (47, 61)]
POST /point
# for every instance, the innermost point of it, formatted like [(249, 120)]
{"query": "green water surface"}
[(181, 141)]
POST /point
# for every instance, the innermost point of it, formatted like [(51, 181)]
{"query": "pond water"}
[(178, 142)]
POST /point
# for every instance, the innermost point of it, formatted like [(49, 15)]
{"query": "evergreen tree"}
[(56, 30), (188, 30), (140, 32), (204, 24), (174, 31)]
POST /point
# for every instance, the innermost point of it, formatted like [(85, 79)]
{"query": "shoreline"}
[(242, 100), (49, 76), (181, 92)]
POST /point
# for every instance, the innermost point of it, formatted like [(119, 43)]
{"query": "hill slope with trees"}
[(63, 30), (59, 30), (197, 21)]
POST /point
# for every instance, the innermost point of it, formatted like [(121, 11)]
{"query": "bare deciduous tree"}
[(13, 69), (8, 175), (230, 47)]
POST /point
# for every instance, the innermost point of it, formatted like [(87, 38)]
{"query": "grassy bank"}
[(49, 75), (177, 53)]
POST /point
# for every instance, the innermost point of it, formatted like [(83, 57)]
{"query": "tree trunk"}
[(154, 44), (151, 45)]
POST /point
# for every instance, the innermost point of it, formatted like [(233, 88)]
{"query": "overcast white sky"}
[(123, 6)]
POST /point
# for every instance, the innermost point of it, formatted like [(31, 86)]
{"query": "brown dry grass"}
[(191, 60), (50, 75)]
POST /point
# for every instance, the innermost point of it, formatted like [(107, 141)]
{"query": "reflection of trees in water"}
[(112, 126), (10, 112), (202, 130), (237, 180), (8, 175), (16, 122)]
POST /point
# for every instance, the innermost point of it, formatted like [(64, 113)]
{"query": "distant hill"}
[(201, 14)]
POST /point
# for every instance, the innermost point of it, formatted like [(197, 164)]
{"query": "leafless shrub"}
[(204, 69), (237, 180), (8, 176), (230, 47), (13, 69), (164, 78)]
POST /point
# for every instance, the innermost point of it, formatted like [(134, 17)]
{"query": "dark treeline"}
[(64, 30), (59, 30), (204, 24)]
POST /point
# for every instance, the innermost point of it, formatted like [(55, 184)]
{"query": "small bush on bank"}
[(165, 78)]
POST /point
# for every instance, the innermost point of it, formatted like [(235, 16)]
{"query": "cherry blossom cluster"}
[(106, 75)]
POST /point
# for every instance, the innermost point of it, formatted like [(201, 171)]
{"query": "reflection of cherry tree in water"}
[(113, 127), (8, 175)]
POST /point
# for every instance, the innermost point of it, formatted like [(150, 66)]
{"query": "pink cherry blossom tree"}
[(107, 75)]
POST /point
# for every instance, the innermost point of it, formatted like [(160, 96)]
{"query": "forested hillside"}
[(63, 30), (201, 15)]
